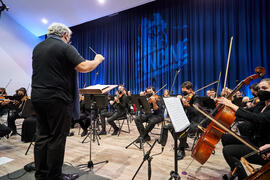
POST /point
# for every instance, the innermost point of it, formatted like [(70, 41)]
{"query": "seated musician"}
[(15, 107), (188, 99), (254, 100), (3, 96), (259, 116), (152, 119), (85, 116), (211, 93), (166, 93), (120, 108)]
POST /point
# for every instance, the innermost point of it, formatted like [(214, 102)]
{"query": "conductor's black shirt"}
[(54, 76)]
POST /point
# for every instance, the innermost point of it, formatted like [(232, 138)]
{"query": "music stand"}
[(180, 123), (96, 94), (143, 106), (94, 102)]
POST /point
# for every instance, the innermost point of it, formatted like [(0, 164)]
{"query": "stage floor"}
[(123, 163)]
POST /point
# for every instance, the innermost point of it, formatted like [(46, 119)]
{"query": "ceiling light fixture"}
[(44, 21), (101, 1)]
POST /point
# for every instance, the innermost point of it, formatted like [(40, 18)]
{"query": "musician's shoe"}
[(69, 176), (181, 154), (115, 132), (147, 138), (84, 133), (13, 133), (102, 132)]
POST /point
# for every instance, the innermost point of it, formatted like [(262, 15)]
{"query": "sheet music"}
[(177, 114), (98, 86)]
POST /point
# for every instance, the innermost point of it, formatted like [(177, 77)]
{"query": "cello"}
[(224, 116)]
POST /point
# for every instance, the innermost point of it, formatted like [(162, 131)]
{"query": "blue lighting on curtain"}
[(145, 46)]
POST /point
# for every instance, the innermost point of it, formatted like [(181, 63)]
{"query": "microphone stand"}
[(96, 77), (149, 159), (175, 76)]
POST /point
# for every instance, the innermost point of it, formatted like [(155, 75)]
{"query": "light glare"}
[(101, 1), (44, 21)]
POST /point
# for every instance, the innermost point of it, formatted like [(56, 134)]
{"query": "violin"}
[(153, 100), (223, 115)]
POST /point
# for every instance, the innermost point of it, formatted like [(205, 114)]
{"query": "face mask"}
[(185, 93), (263, 95)]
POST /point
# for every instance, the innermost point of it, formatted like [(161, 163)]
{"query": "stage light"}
[(44, 21), (101, 1)]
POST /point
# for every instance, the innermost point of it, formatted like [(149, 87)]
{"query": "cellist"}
[(259, 116)]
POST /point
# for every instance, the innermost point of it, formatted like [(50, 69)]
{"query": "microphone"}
[(96, 77)]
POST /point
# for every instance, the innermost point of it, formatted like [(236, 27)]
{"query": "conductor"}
[(55, 98)]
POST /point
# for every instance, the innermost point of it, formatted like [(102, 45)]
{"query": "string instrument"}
[(225, 116), (153, 100)]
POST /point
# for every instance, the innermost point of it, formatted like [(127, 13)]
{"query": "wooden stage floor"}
[(123, 163)]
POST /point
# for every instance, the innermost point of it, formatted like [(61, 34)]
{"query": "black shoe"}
[(180, 155), (147, 138), (102, 133), (69, 176), (71, 133), (13, 133), (84, 133), (115, 132)]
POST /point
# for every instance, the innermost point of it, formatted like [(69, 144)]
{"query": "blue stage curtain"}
[(146, 45)]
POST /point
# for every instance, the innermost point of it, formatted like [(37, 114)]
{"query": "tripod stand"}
[(92, 134), (149, 159)]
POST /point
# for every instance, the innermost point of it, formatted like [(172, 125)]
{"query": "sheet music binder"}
[(177, 114)]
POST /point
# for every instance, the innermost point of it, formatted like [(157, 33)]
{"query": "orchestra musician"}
[(120, 106), (15, 105), (254, 90), (152, 119), (259, 117), (3, 103), (55, 98)]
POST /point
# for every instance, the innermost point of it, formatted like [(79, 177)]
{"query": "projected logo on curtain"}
[(162, 49)]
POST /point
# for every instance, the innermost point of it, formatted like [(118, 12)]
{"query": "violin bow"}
[(206, 86), (161, 88), (228, 63), (218, 84)]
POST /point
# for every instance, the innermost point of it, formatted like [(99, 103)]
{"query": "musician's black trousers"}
[(103, 115), (53, 124), (233, 150), (13, 115), (164, 136), (114, 117), (151, 119)]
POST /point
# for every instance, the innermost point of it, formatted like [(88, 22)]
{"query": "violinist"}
[(253, 101), (15, 107), (259, 117), (120, 105), (166, 93), (3, 103), (152, 119)]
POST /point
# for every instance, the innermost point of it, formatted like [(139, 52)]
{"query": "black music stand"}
[(143, 106), (94, 102)]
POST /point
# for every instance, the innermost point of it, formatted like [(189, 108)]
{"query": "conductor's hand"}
[(99, 58)]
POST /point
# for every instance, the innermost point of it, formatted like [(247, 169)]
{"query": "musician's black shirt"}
[(260, 122), (53, 70)]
